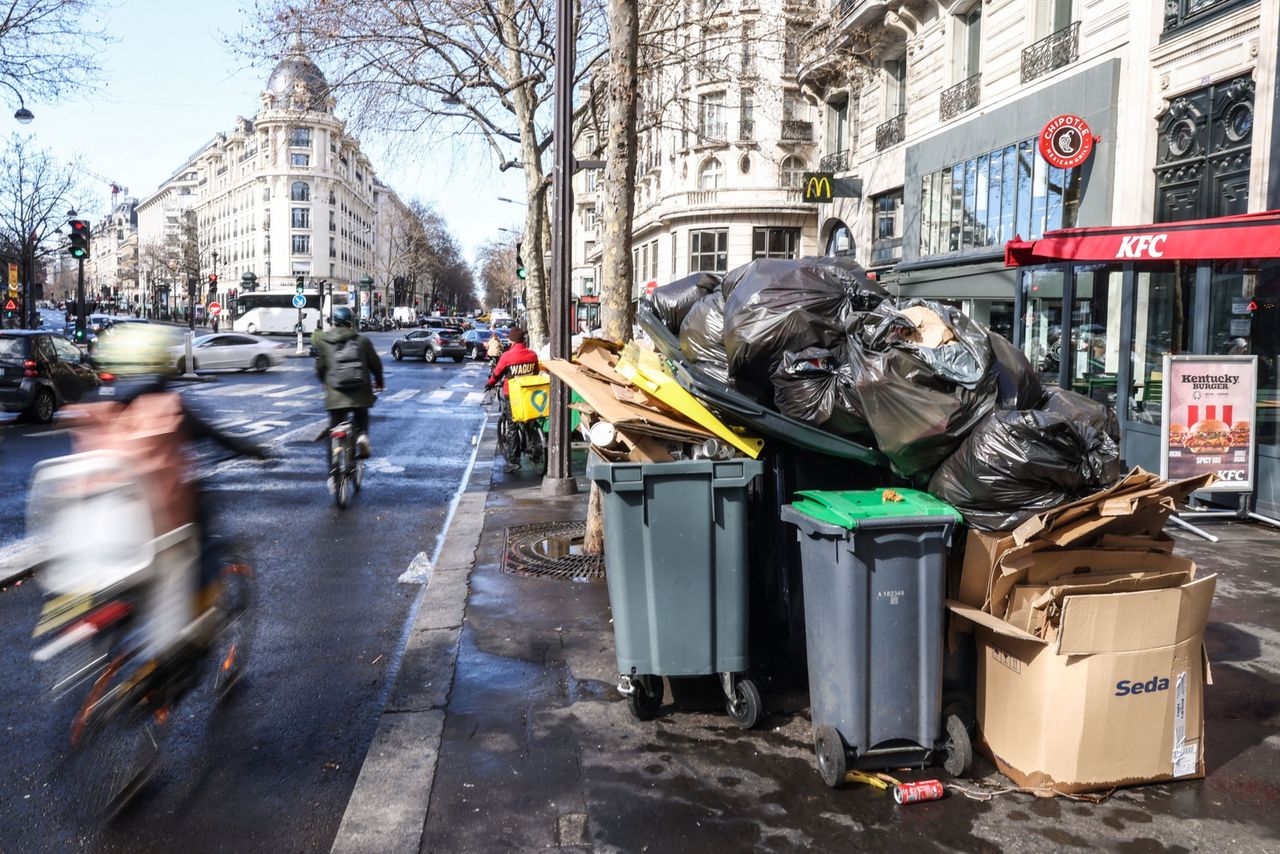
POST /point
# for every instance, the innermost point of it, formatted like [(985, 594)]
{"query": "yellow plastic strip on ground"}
[(645, 369)]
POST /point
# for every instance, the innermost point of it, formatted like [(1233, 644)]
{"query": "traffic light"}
[(298, 285), (213, 280), (521, 272), (79, 238)]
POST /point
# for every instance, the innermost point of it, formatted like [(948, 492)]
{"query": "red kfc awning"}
[(1242, 237)]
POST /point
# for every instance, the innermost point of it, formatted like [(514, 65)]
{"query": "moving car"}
[(230, 351), (431, 344), (477, 339), (41, 371)]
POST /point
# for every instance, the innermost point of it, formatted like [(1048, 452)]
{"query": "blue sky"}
[(169, 84)]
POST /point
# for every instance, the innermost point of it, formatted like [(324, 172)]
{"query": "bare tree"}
[(35, 192), (456, 70), (49, 46), (497, 263)]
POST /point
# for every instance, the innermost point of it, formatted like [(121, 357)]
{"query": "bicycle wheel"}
[(341, 487), (536, 446), (234, 641), (509, 440), (357, 476)]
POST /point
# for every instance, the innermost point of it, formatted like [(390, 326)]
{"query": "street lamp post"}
[(22, 114), (558, 480)]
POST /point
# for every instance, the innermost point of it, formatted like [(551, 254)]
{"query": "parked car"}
[(430, 344), (230, 351), (41, 371)]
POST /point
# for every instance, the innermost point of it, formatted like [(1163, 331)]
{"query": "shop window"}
[(1203, 148), (1244, 320), (886, 235), (709, 250), (984, 201), (1162, 308), (775, 243), (1042, 322), (1095, 332), (840, 243)]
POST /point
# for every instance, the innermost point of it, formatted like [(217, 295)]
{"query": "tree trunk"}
[(617, 314), (616, 310)]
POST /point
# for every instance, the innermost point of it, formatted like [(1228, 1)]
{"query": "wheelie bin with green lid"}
[(676, 564), (874, 569)]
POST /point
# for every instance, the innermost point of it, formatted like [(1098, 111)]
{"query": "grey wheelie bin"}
[(676, 566), (874, 568)]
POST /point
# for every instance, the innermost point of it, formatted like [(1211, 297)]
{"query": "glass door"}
[(1042, 321), (1094, 350)]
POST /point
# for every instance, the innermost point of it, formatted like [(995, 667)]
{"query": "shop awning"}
[(1243, 237)]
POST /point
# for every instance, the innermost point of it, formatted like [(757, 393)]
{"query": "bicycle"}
[(346, 469), (116, 727), (518, 439)]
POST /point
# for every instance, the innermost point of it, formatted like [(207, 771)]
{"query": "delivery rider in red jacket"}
[(518, 361)]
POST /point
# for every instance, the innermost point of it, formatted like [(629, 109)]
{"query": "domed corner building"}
[(287, 193)]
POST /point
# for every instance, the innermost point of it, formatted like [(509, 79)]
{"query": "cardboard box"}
[(1113, 698)]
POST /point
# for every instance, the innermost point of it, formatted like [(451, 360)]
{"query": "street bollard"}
[(189, 362), (299, 352)]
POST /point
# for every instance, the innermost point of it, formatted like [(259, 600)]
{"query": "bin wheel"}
[(833, 762), (745, 706), (958, 747), (646, 699), (961, 707)]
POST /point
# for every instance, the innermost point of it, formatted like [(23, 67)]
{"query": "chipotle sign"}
[(1066, 142)]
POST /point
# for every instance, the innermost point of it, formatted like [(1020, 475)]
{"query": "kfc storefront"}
[(1099, 309)]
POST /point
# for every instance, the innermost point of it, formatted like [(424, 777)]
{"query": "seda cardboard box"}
[(1089, 636)]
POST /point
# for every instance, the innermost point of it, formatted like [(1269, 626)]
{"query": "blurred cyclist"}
[(348, 365), (152, 428)]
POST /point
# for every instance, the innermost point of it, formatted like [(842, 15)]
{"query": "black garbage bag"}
[(921, 401), (775, 306), (817, 386), (1077, 407), (1017, 463), (672, 302), (702, 336), (1017, 385)]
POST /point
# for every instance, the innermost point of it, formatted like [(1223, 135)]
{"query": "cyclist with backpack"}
[(349, 367)]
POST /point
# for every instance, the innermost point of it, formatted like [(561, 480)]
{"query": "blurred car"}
[(430, 344), (41, 371), (229, 351)]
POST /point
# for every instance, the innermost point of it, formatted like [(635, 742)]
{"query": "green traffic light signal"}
[(79, 248), (521, 272)]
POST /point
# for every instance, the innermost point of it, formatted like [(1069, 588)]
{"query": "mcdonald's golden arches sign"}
[(818, 186)]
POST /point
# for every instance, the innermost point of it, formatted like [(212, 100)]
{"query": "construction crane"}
[(116, 188)]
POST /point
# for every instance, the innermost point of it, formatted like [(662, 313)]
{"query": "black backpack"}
[(348, 371)]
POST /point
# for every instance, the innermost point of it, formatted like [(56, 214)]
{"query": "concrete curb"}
[(387, 810)]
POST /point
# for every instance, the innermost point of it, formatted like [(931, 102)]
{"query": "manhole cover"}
[(551, 550)]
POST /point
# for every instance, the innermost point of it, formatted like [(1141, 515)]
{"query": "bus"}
[(272, 313)]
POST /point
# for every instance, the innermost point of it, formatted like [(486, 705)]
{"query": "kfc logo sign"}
[(1066, 142), (1142, 246)]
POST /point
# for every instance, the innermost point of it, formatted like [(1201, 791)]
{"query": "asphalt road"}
[(273, 769)]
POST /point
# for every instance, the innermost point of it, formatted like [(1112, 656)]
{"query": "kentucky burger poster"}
[(1209, 403)]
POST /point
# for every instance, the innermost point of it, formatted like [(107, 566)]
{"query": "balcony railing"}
[(959, 98), (797, 131), (1052, 52), (836, 161), (892, 132), (703, 197)]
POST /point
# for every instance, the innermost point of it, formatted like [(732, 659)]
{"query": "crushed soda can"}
[(922, 790)]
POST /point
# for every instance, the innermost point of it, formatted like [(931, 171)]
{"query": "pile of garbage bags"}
[(946, 400)]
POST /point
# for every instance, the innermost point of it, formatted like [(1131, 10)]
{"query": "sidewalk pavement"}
[(505, 731)]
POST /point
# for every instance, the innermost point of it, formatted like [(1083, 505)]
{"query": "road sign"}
[(215, 309), (299, 300)]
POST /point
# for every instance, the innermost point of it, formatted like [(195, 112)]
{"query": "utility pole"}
[(558, 480), (190, 362)]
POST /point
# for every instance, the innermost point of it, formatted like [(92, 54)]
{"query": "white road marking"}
[(439, 396), (43, 433), (462, 385), (256, 389), (291, 391), (403, 395), (290, 404), (473, 399)]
